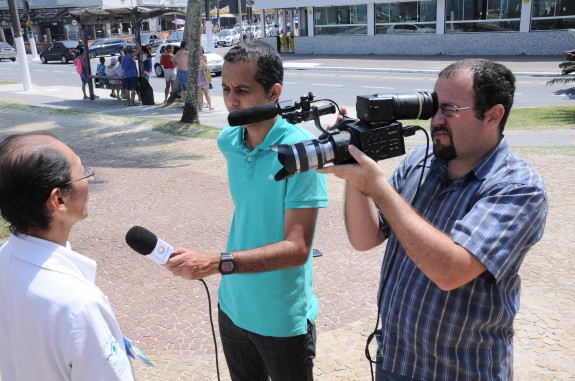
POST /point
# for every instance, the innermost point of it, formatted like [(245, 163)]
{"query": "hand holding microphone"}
[(181, 262), (186, 263)]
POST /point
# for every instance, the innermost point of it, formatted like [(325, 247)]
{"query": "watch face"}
[(228, 267)]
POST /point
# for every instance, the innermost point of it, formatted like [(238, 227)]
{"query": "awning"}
[(98, 15)]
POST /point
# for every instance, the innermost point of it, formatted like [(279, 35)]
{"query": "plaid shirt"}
[(496, 212)]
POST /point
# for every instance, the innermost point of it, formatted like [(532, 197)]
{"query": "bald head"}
[(31, 166)]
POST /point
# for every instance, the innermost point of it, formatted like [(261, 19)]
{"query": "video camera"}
[(377, 133)]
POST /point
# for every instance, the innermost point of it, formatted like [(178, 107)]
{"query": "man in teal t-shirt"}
[(267, 306)]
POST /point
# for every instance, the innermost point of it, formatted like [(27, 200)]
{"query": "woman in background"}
[(205, 78), (147, 61)]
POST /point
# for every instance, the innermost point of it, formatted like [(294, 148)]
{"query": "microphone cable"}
[(408, 131), (212, 326)]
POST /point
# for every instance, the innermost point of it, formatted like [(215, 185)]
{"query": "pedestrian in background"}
[(147, 62), (170, 71), (130, 72), (81, 69), (101, 73), (204, 82), (114, 83), (181, 61)]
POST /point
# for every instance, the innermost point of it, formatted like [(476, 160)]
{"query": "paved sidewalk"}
[(177, 188)]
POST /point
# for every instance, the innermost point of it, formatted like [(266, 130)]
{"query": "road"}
[(340, 86)]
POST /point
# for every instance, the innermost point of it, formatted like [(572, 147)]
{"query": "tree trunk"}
[(193, 34)]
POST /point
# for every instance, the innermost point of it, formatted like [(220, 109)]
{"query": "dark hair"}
[(269, 64), (146, 51), (493, 84), (183, 44), (102, 60), (27, 176)]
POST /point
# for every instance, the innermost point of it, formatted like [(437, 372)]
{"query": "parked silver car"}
[(7, 52)]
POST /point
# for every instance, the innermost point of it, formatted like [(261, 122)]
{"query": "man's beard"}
[(441, 151)]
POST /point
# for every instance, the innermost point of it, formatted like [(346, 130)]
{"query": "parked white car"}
[(215, 61), (227, 37)]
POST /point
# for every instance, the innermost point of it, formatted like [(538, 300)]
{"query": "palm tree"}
[(567, 68)]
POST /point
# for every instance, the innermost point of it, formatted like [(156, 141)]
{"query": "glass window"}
[(406, 17), (553, 14), (482, 15), (343, 19)]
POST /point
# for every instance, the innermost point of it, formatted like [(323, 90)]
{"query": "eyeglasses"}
[(88, 172), (448, 110)]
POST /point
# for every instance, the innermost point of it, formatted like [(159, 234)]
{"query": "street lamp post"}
[(209, 41)]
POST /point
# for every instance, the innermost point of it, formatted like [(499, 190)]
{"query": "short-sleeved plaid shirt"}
[(496, 212)]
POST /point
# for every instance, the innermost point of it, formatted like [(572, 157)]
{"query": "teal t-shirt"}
[(275, 303)]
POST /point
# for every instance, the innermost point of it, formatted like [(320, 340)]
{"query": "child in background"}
[(101, 72)]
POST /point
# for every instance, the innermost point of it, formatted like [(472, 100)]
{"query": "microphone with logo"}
[(146, 243)]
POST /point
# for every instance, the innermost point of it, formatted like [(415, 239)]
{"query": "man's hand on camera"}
[(366, 175), (342, 114)]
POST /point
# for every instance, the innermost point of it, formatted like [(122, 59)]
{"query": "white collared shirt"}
[(55, 323)]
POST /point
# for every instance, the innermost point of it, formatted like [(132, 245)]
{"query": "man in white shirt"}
[(55, 323)]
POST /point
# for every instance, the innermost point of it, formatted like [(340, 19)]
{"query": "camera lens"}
[(421, 105), (302, 157), (390, 107)]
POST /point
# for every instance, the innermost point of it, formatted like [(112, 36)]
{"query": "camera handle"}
[(313, 113)]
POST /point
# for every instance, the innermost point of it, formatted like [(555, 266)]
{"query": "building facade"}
[(428, 27), (48, 20)]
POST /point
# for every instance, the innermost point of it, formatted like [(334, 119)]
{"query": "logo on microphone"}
[(161, 249)]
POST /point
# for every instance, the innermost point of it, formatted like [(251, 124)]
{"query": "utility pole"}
[(20, 48), (209, 41), (31, 39)]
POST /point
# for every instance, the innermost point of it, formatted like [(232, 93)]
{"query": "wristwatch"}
[(227, 264)]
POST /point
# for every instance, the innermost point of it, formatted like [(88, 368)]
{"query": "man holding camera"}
[(449, 289), (267, 307)]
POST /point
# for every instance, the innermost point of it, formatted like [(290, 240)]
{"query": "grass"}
[(532, 118), (529, 118), (190, 130), (3, 229), (169, 127)]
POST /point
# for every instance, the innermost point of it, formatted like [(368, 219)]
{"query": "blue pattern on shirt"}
[(496, 212)]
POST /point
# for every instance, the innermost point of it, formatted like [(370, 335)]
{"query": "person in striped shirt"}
[(450, 286)]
